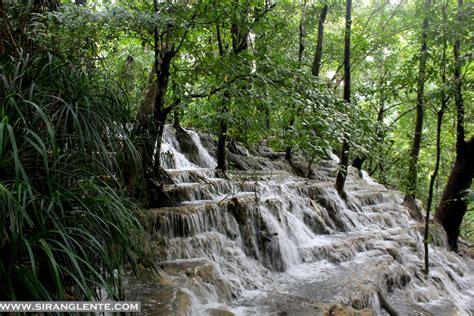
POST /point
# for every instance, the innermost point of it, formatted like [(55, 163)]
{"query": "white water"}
[(268, 242), (172, 158)]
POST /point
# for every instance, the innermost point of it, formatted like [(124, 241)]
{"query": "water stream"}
[(265, 242)]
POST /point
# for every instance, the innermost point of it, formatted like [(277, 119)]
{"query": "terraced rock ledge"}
[(267, 242)]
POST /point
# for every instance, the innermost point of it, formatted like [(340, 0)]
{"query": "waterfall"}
[(171, 156), (266, 242)]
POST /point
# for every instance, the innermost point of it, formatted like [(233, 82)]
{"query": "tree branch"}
[(217, 89), (400, 116), (188, 27)]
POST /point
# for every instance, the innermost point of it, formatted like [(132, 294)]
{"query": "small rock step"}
[(257, 175), (191, 175), (193, 206)]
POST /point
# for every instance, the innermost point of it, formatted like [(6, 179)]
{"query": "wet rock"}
[(187, 146), (466, 248), (178, 303), (198, 273), (338, 310), (266, 159), (273, 155), (237, 162), (290, 305), (395, 253), (158, 197), (319, 195), (219, 312), (437, 234), (238, 149), (263, 150), (414, 206), (259, 241), (318, 220), (188, 220), (299, 167), (178, 300), (358, 303), (159, 296)]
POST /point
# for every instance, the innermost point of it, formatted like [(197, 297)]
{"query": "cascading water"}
[(267, 242)]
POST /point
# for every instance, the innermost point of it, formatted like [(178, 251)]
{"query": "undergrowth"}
[(67, 226)]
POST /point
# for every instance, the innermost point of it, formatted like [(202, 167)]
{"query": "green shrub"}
[(67, 229)]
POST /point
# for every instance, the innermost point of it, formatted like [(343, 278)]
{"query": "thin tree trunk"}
[(452, 207), (380, 134), (358, 161), (379, 131), (239, 44), (460, 143), (439, 123), (177, 119), (222, 135), (420, 106), (302, 32), (221, 144), (379, 127), (318, 54), (344, 157), (432, 182)]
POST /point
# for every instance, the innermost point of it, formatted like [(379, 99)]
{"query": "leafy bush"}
[(66, 227)]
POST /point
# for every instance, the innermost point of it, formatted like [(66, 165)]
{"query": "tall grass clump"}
[(67, 228)]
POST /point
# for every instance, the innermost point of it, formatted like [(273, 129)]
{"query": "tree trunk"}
[(221, 145), (358, 161), (361, 158), (452, 207), (144, 130), (380, 132), (460, 144), (267, 117), (439, 123), (342, 173), (420, 106), (177, 121), (4, 31), (379, 129), (319, 44), (344, 158), (302, 32), (432, 182), (152, 114), (239, 44), (433, 176), (222, 135)]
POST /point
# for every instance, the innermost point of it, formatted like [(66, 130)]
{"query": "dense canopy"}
[(86, 88)]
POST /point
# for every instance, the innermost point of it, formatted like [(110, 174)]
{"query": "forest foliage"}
[(78, 108)]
